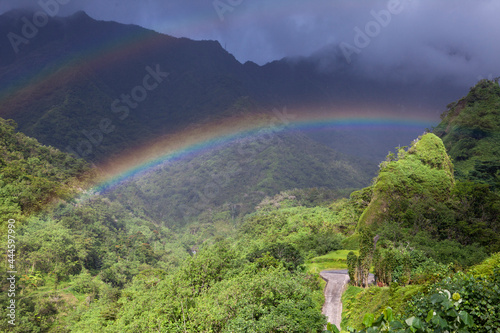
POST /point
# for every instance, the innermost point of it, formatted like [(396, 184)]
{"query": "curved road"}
[(336, 284)]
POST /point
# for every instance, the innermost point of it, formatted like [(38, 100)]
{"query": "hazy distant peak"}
[(81, 15)]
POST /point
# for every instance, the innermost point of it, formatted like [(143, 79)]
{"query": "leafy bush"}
[(286, 253), (445, 315), (406, 265), (480, 298)]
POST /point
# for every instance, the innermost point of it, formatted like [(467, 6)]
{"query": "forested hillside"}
[(431, 217), (80, 259), (237, 176), (89, 262), (471, 133), (31, 175)]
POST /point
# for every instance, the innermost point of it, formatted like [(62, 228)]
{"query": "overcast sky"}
[(442, 37)]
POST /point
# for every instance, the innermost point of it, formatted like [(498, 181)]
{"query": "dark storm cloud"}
[(425, 39)]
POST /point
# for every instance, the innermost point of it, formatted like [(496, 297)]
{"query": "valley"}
[(152, 183), (107, 257)]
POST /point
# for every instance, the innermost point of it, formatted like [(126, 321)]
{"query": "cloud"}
[(433, 39)]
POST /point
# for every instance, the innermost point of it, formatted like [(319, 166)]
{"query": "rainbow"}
[(202, 138)]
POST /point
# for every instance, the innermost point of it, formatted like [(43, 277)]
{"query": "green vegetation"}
[(463, 302), (332, 260), (415, 201), (89, 264), (358, 301), (471, 133), (238, 176), (214, 291), (427, 222), (125, 274), (111, 263), (32, 175), (422, 172)]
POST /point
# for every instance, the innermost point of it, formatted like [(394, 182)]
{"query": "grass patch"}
[(357, 302), (332, 260), (351, 242), (351, 292)]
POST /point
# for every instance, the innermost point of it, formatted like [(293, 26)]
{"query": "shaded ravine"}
[(336, 284)]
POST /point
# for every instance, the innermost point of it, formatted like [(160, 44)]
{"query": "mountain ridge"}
[(84, 65)]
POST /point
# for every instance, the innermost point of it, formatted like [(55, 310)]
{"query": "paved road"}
[(336, 284)]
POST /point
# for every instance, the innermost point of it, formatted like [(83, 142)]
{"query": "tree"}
[(367, 245), (352, 267)]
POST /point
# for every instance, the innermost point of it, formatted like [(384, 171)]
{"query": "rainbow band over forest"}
[(204, 138)]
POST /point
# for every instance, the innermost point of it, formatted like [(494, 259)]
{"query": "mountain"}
[(416, 198), (64, 88), (470, 130), (445, 188), (432, 211), (97, 89), (239, 175)]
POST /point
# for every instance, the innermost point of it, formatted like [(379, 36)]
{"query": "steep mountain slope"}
[(71, 77), (417, 194), (31, 175), (416, 187), (98, 88), (239, 176), (416, 207), (471, 133)]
